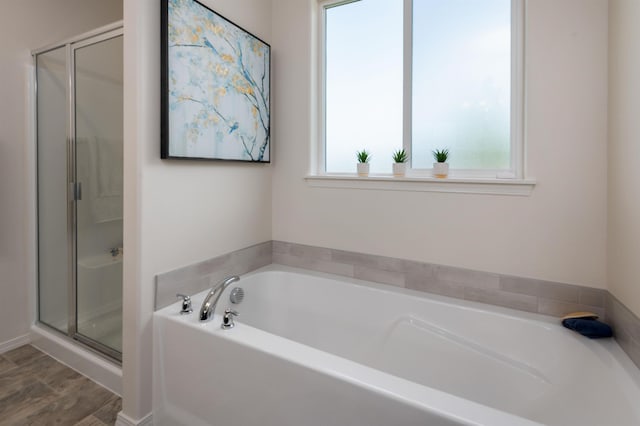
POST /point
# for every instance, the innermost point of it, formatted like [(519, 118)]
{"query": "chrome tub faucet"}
[(210, 302)]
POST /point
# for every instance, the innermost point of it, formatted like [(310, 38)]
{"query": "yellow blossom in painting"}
[(245, 90), (219, 93), (216, 29), (254, 111), (241, 85), (226, 57), (221, 70), (194, 37), (211, 120), (256, 49)]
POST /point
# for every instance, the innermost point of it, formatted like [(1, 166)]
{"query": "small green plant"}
[(441, 155), (363, 156), (400, 156)]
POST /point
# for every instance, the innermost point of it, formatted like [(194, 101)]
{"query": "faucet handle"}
[(186, 304), (227, 319)]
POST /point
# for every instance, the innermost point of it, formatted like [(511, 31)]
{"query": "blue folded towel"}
[(592, 328)]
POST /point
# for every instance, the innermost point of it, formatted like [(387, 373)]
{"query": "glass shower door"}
[(98, 126), (53, 148)]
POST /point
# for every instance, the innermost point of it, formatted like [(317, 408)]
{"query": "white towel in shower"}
[(109, 168), (106, 179)]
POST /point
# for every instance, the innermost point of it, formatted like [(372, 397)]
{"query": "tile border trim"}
[(524, 294), (626, 326), (194, 278)]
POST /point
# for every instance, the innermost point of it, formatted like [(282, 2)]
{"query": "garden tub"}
[(313, 349)]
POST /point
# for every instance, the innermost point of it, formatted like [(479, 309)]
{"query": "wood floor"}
[(35, 389)]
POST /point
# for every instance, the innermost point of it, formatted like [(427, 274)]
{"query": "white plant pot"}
[(440, 170), (399, 169), (363, 169)]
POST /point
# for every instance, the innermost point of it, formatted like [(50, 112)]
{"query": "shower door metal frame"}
[(73, 193)]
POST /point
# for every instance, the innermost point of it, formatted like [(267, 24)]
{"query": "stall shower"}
[(79, 135)]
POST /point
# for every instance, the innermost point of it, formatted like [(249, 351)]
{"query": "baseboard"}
[(124, 420), (15, 343)]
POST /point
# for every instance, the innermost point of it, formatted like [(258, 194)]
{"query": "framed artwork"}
[(215, 87)]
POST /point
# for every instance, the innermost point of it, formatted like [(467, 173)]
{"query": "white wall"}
[(176, 212), (624, 152), (27, 25), (558, 233)]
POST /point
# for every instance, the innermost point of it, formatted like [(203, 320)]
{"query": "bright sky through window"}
[(461, 86), (364, 83), (462, 82)]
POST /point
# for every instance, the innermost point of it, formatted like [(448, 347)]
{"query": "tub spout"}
[(210, 302)]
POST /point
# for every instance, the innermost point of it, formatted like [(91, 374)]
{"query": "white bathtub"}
[(315, 349)]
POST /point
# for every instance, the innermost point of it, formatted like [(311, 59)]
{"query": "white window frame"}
[(516, 173)]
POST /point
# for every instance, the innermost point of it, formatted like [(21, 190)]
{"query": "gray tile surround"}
[(197, 277), (525, 294), (626, 326)]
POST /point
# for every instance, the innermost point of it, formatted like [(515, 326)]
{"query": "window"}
[(422, 75)]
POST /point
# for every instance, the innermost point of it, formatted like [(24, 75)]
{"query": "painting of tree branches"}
[(216, 87)]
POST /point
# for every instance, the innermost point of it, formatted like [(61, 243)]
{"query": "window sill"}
[(515, 187)]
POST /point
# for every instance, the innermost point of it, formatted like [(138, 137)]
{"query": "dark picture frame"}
[(216, 87)]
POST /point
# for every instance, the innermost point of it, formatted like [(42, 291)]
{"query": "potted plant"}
[(440, 167), (363, 162), (400, 162)]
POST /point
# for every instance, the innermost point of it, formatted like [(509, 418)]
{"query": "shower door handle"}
[(76, 191)]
